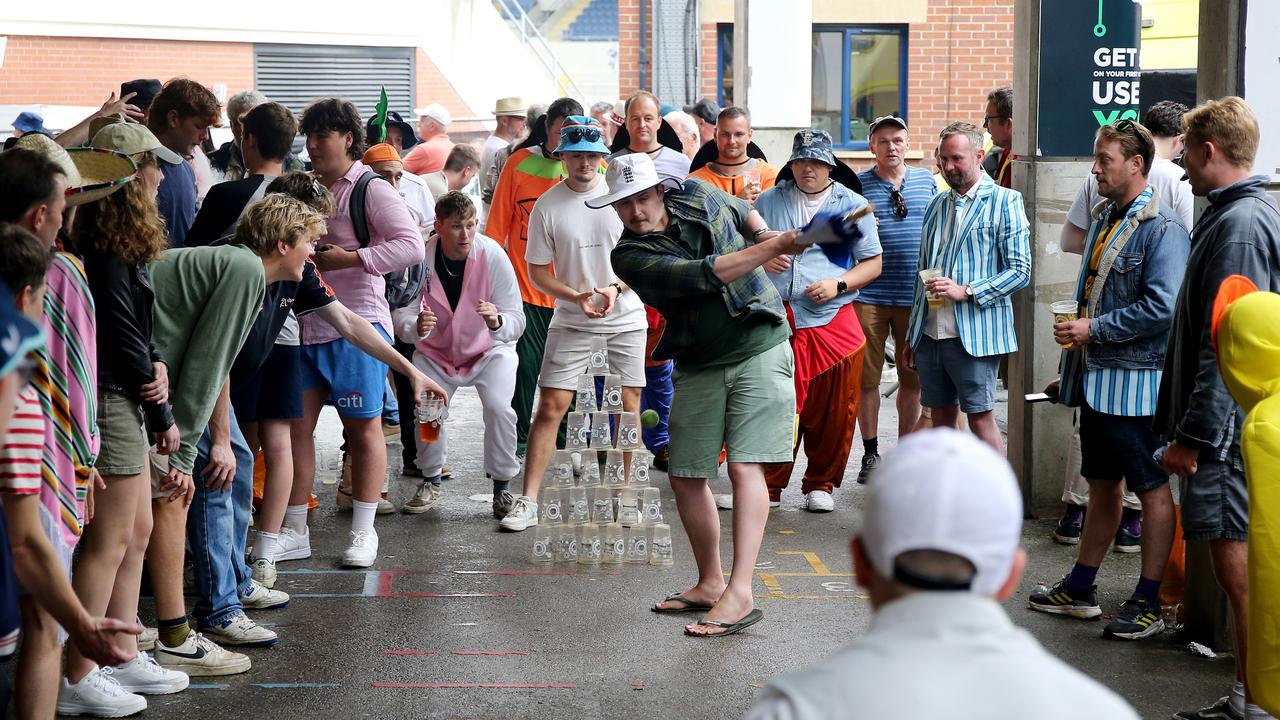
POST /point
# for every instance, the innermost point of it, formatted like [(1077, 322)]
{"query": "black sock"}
[(500, 486), (871, 446)]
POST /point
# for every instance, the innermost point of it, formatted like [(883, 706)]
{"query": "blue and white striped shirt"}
[(991, 254), (899, 237)]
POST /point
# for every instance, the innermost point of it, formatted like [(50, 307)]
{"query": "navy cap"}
[(705, 109), (146, 91)]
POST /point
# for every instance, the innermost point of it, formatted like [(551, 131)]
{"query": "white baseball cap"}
[(628, 175), (944, 490), (436, 112)]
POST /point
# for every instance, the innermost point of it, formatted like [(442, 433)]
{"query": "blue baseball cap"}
[(582, 134), (29, 122), (18, 335)]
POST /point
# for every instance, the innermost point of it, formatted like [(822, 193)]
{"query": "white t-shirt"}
[(578, 240), (667, 162), (491, 147), (809, 205), (1165, 176)]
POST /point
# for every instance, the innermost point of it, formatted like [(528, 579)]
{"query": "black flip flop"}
[(750, 619), (689, 605)]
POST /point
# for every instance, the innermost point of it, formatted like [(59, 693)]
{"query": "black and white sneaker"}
[(1135, 621), (1058, 601), (869, 463)]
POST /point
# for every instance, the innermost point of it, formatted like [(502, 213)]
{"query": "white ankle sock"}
[(295, 518), (266, 546), (362, 514), (1253, 712), (1236, 698)]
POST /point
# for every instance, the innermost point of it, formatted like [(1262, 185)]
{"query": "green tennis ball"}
[(649, 418)]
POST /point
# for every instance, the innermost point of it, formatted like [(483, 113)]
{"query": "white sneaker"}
[(363, 550), (293, 545), (143, 675), (198, 656), (264, 572), (147, 640), (238, 629), (725, 502), (523, 515), (820, 501), (99, 695), (261, 597), (424, 498)]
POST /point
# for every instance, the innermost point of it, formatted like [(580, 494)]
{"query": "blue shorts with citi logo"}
[(353, 379)]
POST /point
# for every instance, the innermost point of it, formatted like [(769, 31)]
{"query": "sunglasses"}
[(1129, 126), (899, 204), (986, 121), (581, 133)]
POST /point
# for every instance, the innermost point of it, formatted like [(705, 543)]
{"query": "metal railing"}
[(515, 15)]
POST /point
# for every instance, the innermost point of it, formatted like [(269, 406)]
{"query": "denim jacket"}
[(1138, 279)]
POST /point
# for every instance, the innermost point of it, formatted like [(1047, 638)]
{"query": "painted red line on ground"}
[(408, 652), (450, 595), (475, 686), (488, 652), (385, 580), (515, 572)]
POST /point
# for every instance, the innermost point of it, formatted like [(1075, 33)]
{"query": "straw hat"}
[(102, 172), (513, 106), (91, 174)]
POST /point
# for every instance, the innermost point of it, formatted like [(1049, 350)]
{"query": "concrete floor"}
[(454, 622)]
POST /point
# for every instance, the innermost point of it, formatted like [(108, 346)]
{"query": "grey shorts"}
[(124, 439), (568, 350), (1215, 501), (749, 408), (950, 375)]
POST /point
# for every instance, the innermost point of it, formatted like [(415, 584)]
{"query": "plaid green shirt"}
[(674, 271)]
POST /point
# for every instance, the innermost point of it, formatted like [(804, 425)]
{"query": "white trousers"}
[(494, 378)]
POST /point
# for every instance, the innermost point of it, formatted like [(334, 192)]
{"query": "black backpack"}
[(404, 287)]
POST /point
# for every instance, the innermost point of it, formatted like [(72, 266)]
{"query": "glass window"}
[(859, 74)]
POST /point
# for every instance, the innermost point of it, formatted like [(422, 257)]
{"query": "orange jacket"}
[(733, 184), (526, 176)]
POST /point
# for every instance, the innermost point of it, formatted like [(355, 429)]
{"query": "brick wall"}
[(962, 51), (84, 71)]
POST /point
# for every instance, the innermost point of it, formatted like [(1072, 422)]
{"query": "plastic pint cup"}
[(935, 301), (1065, 311)]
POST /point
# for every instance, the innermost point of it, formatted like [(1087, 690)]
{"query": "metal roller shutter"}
[(295, 75)]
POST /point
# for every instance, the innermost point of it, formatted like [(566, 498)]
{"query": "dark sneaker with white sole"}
[(1058, 601), (1220, 710), (869, 463), (1070, 526), (1135, 621)]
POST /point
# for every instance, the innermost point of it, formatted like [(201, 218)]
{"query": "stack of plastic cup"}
[(579, 512), (615, 476), (589, 549), (639, 472), (637, 545), (543, 550), (628, 431), (628, 508), (611, 402), (598, 360), (590, 475), (586, 399), (650, 505), (578, 431), (614, 544), (601, 437), (566, 544), (552, 507), (562, 469)]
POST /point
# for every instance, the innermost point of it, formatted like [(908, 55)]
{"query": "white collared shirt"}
[(932, 655), (941, 322)]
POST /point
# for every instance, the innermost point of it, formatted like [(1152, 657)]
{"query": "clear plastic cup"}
[(566, 544), (637, 545), (562, 468), (629, 508), (628, 431), (601, 499), (579, 510), (589, 549), (615, 473), (614, 542), (430, 412), (650, 505), (601, 434), (542, 551), (589, 473), (611, 401), (551, 509), (1065, 311), (586, 397), (660, 546), (935, 301), (638, 473), (598, 360), (578, 431)]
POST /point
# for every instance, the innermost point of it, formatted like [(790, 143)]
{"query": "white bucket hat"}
[(628, 175)]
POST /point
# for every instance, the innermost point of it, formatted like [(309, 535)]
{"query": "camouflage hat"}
[(813, 145)]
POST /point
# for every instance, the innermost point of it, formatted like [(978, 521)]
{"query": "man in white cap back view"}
[(936, 552), (428, 156)]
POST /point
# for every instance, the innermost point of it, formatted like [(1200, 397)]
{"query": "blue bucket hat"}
[(813, 145), (18, 335), (582, 134), (29, 122)]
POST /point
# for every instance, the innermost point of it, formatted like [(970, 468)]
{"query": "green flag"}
[(380, 116)]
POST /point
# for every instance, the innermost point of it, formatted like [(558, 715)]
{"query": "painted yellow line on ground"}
[(815, 562), (770, 582), (841, 596)]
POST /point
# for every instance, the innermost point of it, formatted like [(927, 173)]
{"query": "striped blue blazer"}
[(992, 255)]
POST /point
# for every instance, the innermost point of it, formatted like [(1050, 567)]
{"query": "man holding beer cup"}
[(975, 252)]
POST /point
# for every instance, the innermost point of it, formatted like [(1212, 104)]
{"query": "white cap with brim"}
[(948, 491), (133, 139), (436, 112), (628, 175)]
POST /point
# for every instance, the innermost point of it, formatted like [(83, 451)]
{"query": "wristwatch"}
[(968, 290), (617, 286), (841, 286)]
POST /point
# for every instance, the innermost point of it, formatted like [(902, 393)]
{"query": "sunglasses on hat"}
[(580, 133)]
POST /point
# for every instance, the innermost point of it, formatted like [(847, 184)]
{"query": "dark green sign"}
[(1089, 73)]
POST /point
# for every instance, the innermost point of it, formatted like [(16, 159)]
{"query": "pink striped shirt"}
[(395, 243), (23, 446)]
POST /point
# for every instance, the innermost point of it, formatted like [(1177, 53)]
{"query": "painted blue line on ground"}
[(371, 581), (295, 686), (202, 686)]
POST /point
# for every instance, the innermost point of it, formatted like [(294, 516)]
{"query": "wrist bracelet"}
[(760, 232), (617, 287)]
